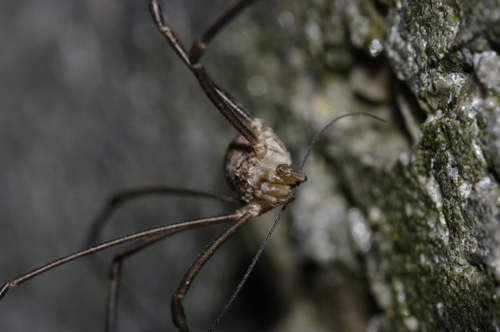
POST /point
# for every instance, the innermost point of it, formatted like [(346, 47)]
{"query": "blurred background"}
[(93, 101)]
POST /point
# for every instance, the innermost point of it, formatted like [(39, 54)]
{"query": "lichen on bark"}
[(427, 183)]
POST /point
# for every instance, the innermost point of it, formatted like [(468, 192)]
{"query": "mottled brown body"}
[(267, 180), (238, 161)]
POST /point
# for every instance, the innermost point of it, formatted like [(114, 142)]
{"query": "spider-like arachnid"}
[(263, 196)]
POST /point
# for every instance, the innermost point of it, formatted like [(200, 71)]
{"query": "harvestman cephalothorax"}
[(257, 166)]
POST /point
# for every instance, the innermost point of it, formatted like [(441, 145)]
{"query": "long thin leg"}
[(178, 314), (239, 108), (115, 274), (212, 90), (117, 199), (200, 45), (190, 60), (170, 229)]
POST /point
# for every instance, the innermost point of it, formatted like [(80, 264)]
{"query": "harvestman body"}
[(257, 166)]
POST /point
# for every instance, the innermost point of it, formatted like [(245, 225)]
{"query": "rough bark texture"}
[(425, 186), (397, 228)]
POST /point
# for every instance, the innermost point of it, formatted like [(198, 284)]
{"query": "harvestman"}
[(257, 166)]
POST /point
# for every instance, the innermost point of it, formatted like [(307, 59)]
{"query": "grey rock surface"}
[(425, 186)]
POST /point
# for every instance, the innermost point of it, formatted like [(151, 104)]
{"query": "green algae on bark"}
[(424, 189)]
